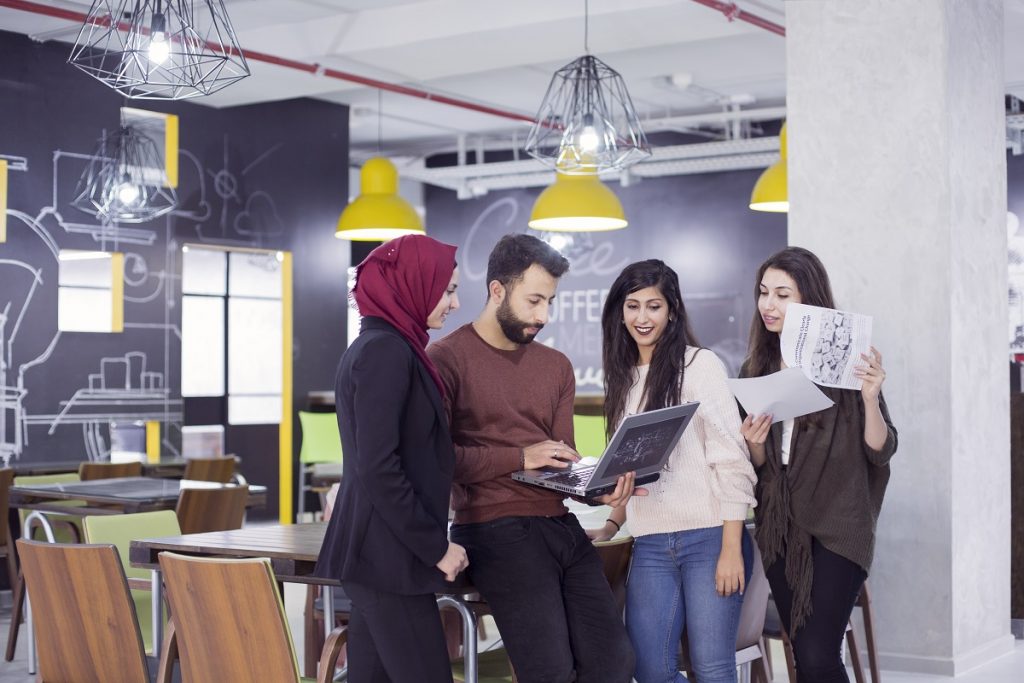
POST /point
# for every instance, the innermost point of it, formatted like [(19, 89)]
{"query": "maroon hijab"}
[(401, 281)]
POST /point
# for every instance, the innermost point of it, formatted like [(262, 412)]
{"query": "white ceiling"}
[(501, 54)]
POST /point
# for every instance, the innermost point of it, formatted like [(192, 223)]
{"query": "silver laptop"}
[(641, 444)]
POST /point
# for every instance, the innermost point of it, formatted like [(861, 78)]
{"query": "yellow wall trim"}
[(285, 431), (153, 441), (3, 200), (117, 291), (171, 150)]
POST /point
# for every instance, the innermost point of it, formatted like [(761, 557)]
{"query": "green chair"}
[(121, 530), (66, 529), (589, 434), (321, 444)]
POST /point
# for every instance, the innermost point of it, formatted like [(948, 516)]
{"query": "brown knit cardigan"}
[(831, 491)]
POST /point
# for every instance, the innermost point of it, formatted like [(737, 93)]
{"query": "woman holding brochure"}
[(821, 477), (691, 557)]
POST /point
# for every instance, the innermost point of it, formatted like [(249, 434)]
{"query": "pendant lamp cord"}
[(586, 27), (380, 119)]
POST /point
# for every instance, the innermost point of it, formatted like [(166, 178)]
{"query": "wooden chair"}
[(84, 619), (89, 471), (228, 622), (615, 555), (219, 509), (313, 623), (773, 629), (868, 619), (7, 551), (217, 470), (67, 529), (121, 530), (6, 542)]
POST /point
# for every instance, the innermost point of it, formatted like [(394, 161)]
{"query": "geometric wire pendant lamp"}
[(587, 122), (125, 180), (160, 49)]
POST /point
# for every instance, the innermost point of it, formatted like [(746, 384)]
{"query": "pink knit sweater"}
[(709, 478)]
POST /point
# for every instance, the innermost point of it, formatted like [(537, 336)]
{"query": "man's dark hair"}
[(514, 254)]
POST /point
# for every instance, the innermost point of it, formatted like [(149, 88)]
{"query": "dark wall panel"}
[(699, 224), (271, 176)]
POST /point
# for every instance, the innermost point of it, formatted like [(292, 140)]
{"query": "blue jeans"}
[(671, 586)]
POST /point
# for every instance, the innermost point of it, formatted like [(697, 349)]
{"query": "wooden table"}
[(168, 467), (293, 550), (115, 496)]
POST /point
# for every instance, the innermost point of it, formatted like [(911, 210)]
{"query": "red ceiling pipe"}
[(733, 12), (316, 69)]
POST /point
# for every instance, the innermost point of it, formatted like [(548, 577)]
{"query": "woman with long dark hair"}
[(691, 556), (821, 478), (387, 541)]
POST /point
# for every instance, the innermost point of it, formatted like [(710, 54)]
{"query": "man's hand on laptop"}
[(549, 454), (625, 487)]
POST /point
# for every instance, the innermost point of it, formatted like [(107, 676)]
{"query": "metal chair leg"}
[(851, 641), (300, 507)]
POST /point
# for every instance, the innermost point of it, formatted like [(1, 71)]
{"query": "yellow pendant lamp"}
[(771, 191), (378, 214), (577, 203)]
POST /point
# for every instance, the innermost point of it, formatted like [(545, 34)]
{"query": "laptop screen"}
[(641, 447)]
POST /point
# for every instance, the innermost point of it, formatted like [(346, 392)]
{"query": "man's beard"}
[(512, 327)]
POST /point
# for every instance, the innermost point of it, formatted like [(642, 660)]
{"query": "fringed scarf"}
[(777, 534)]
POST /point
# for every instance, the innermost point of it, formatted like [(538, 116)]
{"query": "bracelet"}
[(618, 527)]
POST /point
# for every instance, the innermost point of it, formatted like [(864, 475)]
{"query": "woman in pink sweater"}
[(691, 556)]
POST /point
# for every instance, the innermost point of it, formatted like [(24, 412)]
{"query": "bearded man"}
[(510, 402)]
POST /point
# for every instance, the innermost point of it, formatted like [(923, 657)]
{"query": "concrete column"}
[(897, 180)]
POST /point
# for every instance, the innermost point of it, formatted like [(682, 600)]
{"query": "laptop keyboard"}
[(573, 477)]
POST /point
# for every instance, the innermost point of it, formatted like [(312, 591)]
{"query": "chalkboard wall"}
[(699, 225), (272, 176)]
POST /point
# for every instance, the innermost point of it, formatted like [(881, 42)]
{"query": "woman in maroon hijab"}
[(387, 541)]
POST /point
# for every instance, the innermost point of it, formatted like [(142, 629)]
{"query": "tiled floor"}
[(1008, 669)]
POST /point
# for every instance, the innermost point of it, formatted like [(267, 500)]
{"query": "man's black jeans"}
[(546, 589)]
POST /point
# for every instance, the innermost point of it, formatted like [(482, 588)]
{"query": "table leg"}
[(468, 632), (26, 532), (157, 598)]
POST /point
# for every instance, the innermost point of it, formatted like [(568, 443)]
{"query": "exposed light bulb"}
[(159, 48), (127, 194), (558, 242), (589, 140)]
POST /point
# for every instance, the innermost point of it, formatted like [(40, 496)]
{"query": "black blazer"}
[(389, 525)]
